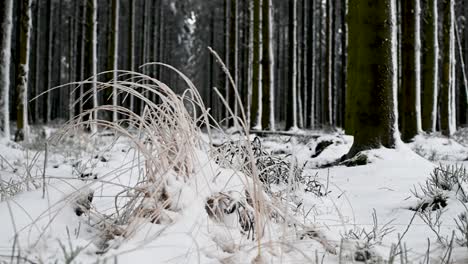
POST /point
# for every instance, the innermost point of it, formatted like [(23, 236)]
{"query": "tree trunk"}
[(291, 121), (411, 70), (131, 47), (115, 52), (328, 91), (267, 68), (6, 28), (256, 81), (250, 40), (48, 97), (447, 92), (233, 61), (430, 75), (22, 70), (372, 74), (91, 60)]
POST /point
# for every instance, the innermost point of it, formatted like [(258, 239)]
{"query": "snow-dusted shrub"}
[(362, 242), (272, 169), (444, 181), (313, 185), (462, 228), (222, 206)]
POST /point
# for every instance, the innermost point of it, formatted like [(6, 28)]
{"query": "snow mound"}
[(437, 148)]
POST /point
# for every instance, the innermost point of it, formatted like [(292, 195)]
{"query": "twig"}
[(44, 171)]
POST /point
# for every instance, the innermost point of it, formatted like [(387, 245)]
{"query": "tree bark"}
[(6, 16), (328, 91), (256, 80), (447, 92), (411, 82), (115, 52), (372, 75), (22, 70), (291, 121), (430, 74), (267, 68), (233, 60)]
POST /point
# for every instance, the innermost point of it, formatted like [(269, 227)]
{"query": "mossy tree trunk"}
[(372, 75), (411, 79), (430, 74)]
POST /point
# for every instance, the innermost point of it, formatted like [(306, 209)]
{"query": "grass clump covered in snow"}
[(445, 181), (146, 180)]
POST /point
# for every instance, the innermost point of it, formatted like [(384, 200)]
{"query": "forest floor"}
[(87, 199)]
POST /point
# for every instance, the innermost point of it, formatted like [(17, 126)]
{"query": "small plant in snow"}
[(434, 222), (313, 185), (462, 227), (272, 169), (364, 241), (221, 206), (443, 181)]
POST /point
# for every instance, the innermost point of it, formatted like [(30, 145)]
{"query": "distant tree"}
[(233, 57), (47, 101), (268, 120), (311, 62), (255, 120), (411, 70), (447, 91), (291, 118), (115, 51), (22, 70), (372, 74), (131, 45), (430, 73), (328, 89), (91, 58), (6, 27)]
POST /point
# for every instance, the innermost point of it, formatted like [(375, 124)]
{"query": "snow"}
[(48, 230)]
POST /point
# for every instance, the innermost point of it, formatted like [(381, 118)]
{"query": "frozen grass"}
[(166, 168), (151, 187)]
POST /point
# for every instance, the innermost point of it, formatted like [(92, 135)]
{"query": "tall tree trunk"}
[(447, 92), (115, 52), (311, 64), (233, 60), (328, 89), (250, 44), (6, 28), (91, 101), (411, 70), (256, 80), (22, 70), (131, 47), (372, 74), (430, 72), (291, 121), (267, 68), (49, 62)]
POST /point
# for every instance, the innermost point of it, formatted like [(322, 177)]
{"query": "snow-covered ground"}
[(98, 206)]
